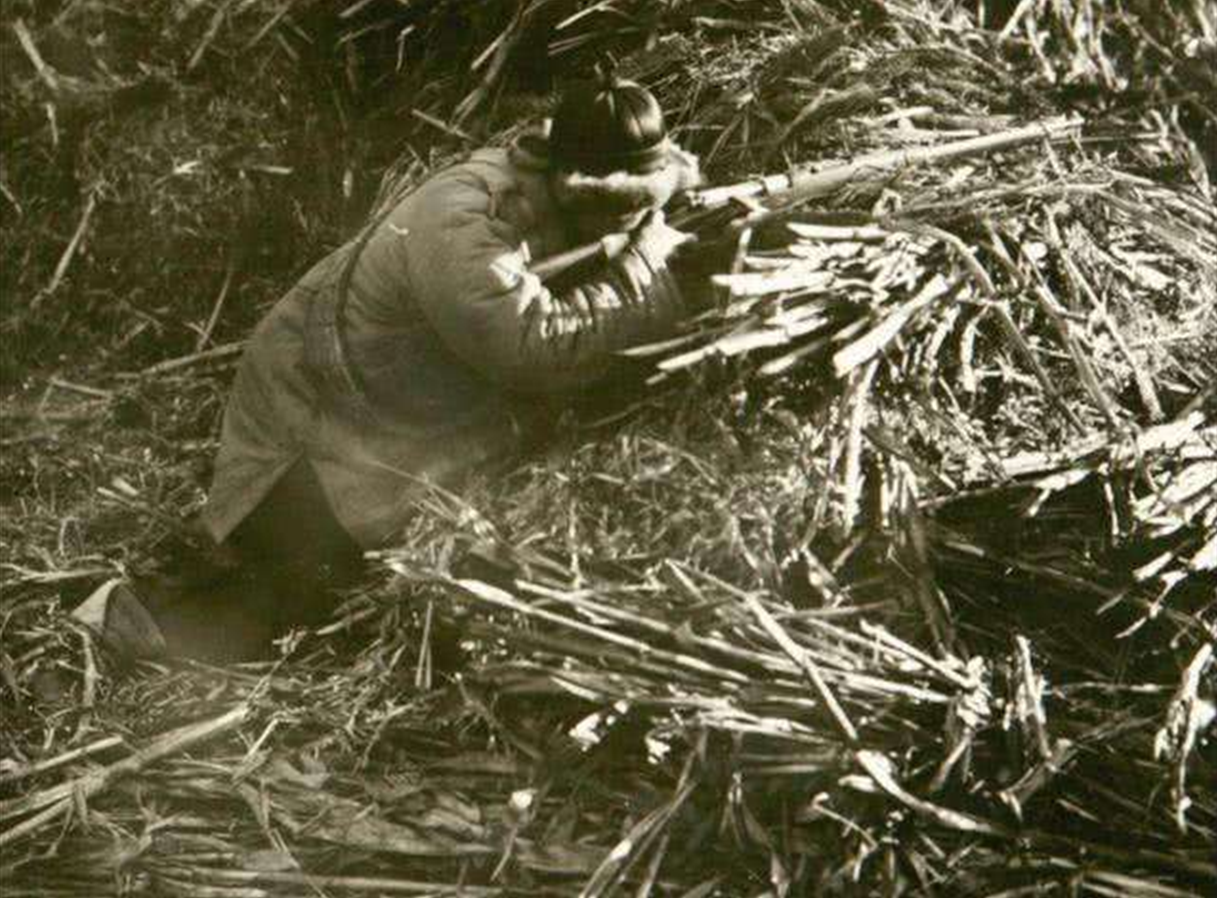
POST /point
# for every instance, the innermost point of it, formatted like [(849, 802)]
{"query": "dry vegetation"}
[(901, 577)]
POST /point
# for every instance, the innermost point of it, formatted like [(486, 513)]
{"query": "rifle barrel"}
[(806, 185), (783, 192)]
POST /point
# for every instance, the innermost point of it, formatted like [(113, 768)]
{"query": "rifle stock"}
[(779, 194)]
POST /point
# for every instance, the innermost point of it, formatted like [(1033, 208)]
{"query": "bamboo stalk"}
[(315, 883), (718, 646), (494, 596), (1081, 362), (214, 318), (809, 667), (1082, 289), (49, 76), (59, 800), (207, 355), (879, 768), (69, 253)]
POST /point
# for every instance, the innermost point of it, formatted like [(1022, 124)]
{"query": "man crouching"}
[(421, 352)]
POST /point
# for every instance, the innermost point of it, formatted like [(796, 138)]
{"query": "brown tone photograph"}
[(642, 448)]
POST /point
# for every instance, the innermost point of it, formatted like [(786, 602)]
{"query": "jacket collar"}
[(530, 150)]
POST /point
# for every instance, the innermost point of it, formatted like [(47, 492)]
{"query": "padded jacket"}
[(427, 348)]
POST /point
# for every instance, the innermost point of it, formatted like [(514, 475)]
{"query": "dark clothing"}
[(281, 568)]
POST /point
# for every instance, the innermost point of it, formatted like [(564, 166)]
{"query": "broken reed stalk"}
[(60, 760), (492, 595), (59, 801), (586, 672), (215, 354), (316, 884), (809, 667), (879, 768), (1082, 290), (69, 253)]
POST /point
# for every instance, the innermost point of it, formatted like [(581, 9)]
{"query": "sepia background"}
[(898, 579)]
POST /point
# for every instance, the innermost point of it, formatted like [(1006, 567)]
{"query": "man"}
[(416, 354)]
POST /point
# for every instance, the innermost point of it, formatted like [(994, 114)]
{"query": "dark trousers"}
[(280, 568)]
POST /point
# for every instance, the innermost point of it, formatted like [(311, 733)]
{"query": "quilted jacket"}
[(427, 349)]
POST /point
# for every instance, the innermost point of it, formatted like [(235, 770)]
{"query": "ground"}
[(880, 591)]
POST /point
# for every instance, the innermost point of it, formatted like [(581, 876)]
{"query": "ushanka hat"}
[(609, 148), (608, 125)]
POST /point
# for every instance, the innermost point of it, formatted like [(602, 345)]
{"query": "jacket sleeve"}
[(468, 271)]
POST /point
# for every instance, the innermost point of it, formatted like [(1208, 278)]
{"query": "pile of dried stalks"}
[(903, 580)]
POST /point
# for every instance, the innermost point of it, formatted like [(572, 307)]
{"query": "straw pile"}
[(900, 577)]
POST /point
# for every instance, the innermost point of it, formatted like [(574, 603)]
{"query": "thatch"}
[(900, 577)]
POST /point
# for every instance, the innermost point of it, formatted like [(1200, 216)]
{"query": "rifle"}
[(751, 203)]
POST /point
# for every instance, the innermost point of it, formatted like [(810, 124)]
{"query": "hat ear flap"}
[(622, 191), (687, 166)]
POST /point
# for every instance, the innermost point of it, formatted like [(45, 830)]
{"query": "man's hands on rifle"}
[(657, 239), (691, 258)]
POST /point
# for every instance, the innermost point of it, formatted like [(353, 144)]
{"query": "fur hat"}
[(609, 150), (623, 192), (608, 125)]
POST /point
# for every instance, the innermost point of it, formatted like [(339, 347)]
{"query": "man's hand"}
[(656, 239)]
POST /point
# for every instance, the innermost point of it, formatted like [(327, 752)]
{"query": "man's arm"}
[(470, 277)]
